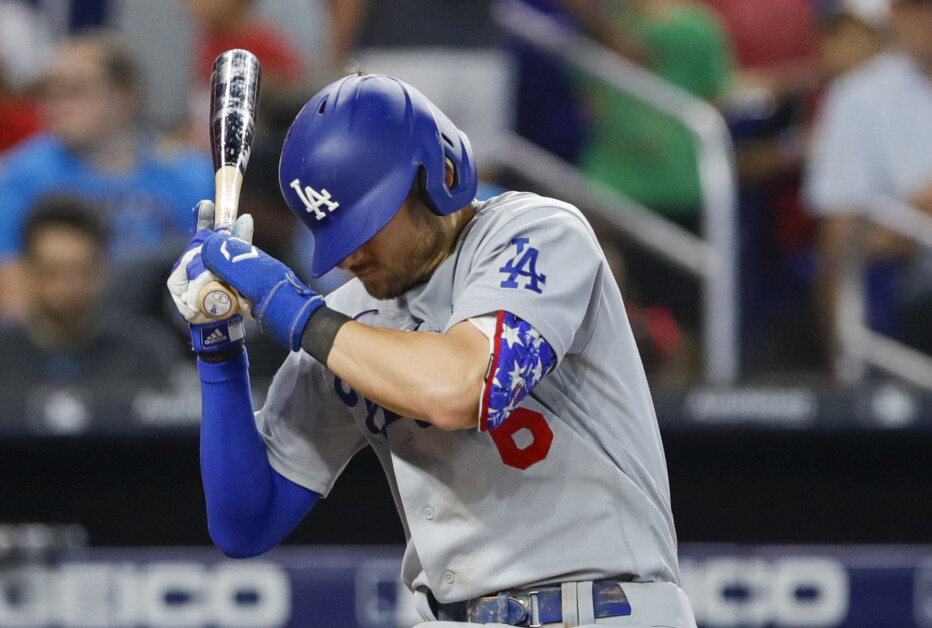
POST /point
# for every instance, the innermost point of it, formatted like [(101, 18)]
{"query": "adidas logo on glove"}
[(214, 338)]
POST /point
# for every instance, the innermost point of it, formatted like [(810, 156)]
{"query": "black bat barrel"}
[(234, 87)]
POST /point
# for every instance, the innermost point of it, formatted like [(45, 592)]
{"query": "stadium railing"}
[(859, 345), (712, 258)]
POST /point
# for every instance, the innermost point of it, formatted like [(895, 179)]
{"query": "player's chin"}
[(386, 287), (379, 290)]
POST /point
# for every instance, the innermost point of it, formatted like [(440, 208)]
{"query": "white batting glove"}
[(189, 275)]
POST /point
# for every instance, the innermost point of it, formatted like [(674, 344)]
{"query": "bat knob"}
[(218, 301)]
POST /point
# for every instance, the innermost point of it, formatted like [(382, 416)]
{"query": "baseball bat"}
[(234, 101)]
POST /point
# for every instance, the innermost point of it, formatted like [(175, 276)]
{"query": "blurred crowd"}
[(828, 103)]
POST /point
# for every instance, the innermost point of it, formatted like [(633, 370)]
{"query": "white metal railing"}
[(713, 259), (859, 345), (651, 231)]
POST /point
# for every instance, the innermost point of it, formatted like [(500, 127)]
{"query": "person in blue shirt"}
[(92, 148)]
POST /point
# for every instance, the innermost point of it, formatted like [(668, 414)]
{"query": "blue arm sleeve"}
[(250, 506)]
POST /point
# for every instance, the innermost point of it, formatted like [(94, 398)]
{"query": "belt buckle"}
[(532, 608)]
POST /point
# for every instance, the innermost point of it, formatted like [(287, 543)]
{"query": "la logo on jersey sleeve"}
[(523, 266)]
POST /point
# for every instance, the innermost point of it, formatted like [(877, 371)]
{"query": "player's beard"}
[(420, 250)]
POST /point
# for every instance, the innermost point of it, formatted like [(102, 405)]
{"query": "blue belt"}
[(518, 609)]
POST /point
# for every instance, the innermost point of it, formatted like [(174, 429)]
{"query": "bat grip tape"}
[(320, 332)]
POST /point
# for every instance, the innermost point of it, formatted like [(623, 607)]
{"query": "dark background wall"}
[(727, 485)]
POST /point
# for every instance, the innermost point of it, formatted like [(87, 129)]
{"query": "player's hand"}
[(188, 277), (279, 302)]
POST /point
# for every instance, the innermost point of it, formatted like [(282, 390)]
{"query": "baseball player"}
[(482, 351)]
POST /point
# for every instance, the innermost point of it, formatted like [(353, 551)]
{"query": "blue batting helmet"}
[(353, 153)]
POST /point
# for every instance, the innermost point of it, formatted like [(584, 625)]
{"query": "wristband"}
[(217, 335), (320, 332)]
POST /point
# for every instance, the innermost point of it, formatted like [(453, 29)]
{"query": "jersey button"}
[(428, 513), (449, 576), (410, 439)]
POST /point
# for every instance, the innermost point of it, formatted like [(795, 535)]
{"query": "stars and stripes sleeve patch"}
[(520, 359)]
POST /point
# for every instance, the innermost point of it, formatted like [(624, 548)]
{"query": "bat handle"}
[(218, 301), (228, 182)]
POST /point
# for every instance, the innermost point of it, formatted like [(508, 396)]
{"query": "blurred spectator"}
[(25, 44), (94, 149), (768, 111), (774, 42), (221, 25), (419, 41), (658, 336), (852, 35), (18, 113), (549, 109), (776, 47), (63, 339), (638, 150), (649, 156), (874, 141), (226, 24)]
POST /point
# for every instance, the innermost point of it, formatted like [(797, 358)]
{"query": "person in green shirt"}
[(640, 151), (649, 156)]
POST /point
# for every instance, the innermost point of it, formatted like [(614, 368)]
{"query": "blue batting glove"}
[(280, 303), (188, 277)]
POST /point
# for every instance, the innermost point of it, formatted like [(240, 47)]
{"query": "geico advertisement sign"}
[(810, 592), (174, 594)]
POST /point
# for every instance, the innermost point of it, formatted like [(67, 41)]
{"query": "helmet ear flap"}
[(420, 180)]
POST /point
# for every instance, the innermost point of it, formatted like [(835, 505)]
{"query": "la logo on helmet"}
[(314, 200)]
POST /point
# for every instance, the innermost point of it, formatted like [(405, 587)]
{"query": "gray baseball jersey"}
[(568, 482)]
